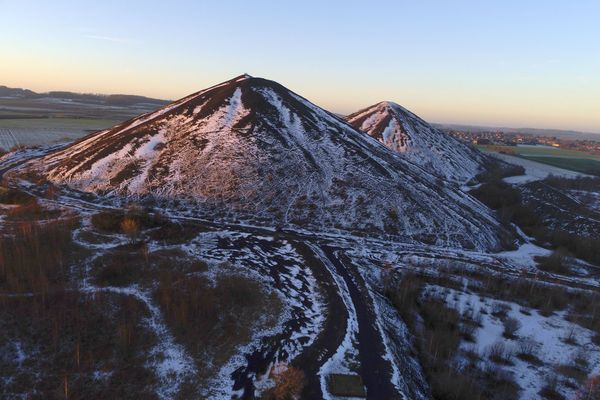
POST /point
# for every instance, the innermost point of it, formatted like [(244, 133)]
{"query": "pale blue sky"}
[(511, 63)]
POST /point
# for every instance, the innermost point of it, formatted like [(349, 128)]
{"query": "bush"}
[(570, 336), (35, 259), (527, 351), (14, 196), (112, 220), (555, 262), (499, 353), (68, 338), (212, 319), (109, 221), (289, 382), (438, 338), (497, 195), (450, 384), (130, 228), (511, 207), (550, 389), (495, 170), (511, 326), (500, 310)]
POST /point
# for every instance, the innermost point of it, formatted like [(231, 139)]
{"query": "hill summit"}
[(249, 149), (419, 142)]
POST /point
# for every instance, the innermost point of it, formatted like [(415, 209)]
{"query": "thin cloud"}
[(112, 39)]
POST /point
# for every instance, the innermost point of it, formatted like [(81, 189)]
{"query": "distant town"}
[(502, 138)]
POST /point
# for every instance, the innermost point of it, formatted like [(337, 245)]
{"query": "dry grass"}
[(437, 340), (289, 382), (36, 259), (112, 221), (68, 339), (211, 320)]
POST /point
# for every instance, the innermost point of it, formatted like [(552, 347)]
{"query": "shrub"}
[(116, 271), (174, 232), (14, 196), (495, 170), (557, 262), (130, 227), (511, 207), (570, 336), (500, 310), (527, 351), (108, 220), (499, 353), (68, 338), (499, 384), (111, 220), (497, 195), (438, 338), (289, 382), (35, 259), (393, 214), (449, 384), (212, 319), (550, 389), (511, 326)]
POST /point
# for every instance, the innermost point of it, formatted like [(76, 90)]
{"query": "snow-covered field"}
[(534, 171), (10, 137), (554, 340)]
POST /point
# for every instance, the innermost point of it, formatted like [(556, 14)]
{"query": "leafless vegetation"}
[(68, 340), (511, 326), (130, 228), (550, 389), (211, 319), (289, 382), (437, 341), (35, 258), (557, 262), (511, 207), (527, 351), (113, 221), (500, 353)]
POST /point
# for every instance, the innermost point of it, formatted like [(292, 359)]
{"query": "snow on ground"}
[(546, 333), (168, 359), (534, 171), (525, 254), (280, 268), (347, 354)]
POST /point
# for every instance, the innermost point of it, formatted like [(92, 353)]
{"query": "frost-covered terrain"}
[(249, 149), (551, 339), (240, 234), (418, 142)]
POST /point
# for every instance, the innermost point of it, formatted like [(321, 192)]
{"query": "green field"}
[(573, 160)]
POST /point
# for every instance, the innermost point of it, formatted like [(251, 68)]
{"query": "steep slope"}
[(419, 142), (249, 149)]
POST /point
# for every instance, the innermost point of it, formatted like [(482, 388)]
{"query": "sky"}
[(524, 63)]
